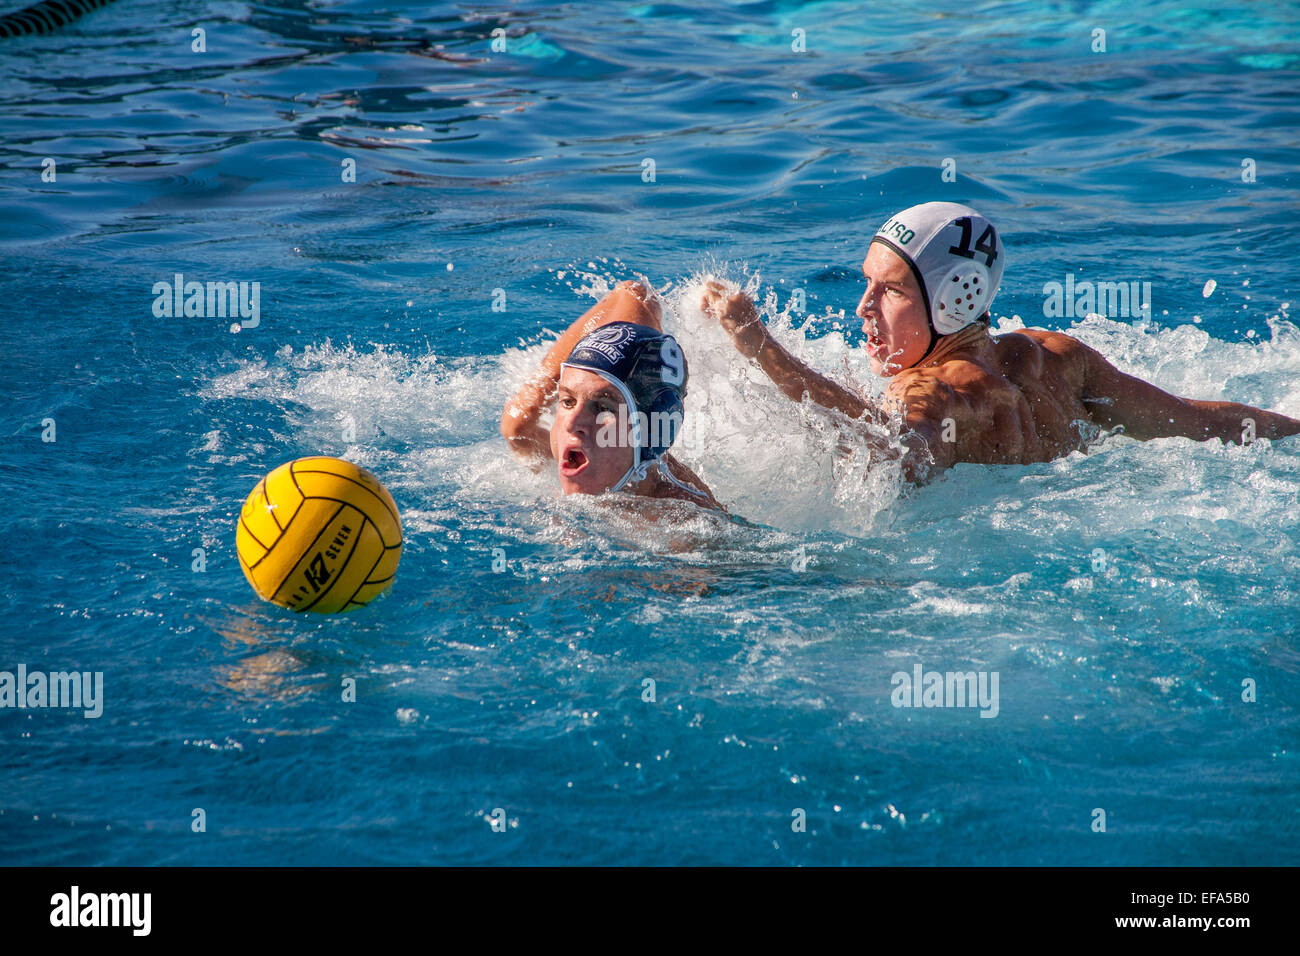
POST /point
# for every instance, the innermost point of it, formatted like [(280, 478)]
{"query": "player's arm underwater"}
[(629, 302), (1115, 399)]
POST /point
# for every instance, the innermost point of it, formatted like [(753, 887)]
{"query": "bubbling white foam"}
[(787, 465)]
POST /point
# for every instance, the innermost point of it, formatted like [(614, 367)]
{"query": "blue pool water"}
[(1122, 596)]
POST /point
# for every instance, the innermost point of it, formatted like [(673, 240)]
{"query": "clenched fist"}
[(736, 313)]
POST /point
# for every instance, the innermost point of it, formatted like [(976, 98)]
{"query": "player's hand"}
[(737, 314)]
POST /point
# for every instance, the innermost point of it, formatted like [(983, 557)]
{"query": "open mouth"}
[(573, 462)]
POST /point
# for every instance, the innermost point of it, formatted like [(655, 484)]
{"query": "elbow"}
[(512, 424), (634, 286), (517, 441), (524, 438), (1286, 427), (647, 310)]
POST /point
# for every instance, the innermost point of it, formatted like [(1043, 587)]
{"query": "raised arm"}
[(630, 301), (738, 316), (1114, 398)]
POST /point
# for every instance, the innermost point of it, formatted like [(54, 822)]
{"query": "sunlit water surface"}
[(1122, 596)]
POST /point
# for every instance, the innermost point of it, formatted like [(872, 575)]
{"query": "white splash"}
[(770, 460)]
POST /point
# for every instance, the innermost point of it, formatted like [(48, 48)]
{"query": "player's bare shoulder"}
[(954, 377), (914, 386), (1036, 351), (1058, 343), (957, 388)]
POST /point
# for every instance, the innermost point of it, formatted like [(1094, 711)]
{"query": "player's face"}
[(590, 439), (892, 312)]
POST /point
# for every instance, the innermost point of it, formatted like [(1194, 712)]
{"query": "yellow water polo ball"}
[(319, 534)]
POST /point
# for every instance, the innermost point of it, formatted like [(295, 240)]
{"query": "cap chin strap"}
[(925, 295), (664, 470), (637, 471), (934, 340)]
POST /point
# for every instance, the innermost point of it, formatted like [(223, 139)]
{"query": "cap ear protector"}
[(664, 417), (962, 296), (956, 256)]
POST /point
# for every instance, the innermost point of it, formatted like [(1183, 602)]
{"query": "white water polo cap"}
[(956, 256)]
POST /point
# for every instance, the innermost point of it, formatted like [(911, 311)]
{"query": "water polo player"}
[(618, 383), (932, 272)]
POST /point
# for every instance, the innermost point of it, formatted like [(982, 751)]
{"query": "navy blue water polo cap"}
[(649, 371)]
